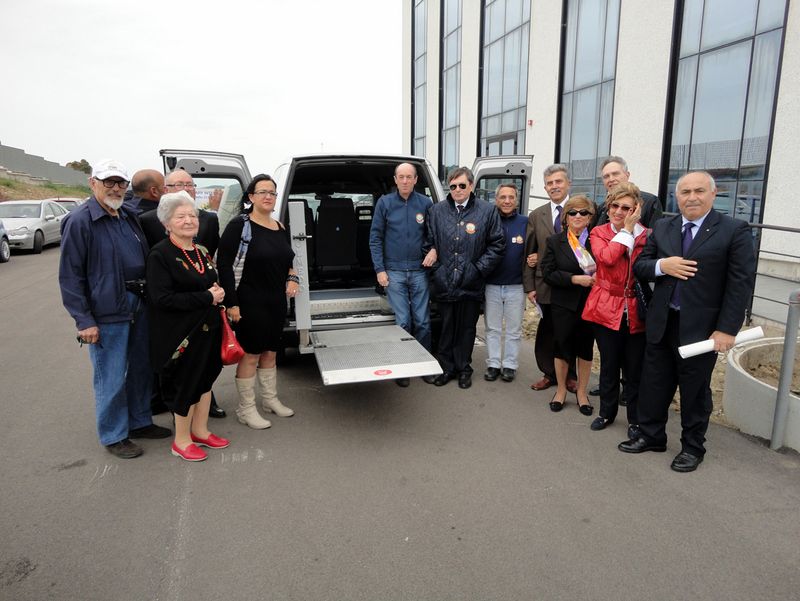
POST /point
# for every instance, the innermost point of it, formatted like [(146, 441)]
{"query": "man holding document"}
[(703, 265)]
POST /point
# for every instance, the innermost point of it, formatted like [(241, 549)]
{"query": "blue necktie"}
[(557, 222), (686, 243)]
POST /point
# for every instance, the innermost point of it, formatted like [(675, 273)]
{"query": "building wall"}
[(640, 94), (16, 159), (470, 80)]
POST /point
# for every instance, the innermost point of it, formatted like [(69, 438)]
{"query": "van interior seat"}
[(364, 215), (336, 237)]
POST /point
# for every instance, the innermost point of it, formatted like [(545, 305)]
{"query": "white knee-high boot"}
[(268, 389), (247, 411)]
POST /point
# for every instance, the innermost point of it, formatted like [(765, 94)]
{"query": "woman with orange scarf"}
[(568, 266)]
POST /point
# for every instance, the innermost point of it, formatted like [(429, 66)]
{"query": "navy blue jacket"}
[(468, 248), (90, 272), (509, 270), (398, 232)]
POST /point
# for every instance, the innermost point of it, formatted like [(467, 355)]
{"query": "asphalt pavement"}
[(370, 492)]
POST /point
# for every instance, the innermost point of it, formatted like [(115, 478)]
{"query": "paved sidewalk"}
[(370, 492)]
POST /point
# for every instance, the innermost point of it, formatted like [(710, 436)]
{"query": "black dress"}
[(180, 306), (261, 295)]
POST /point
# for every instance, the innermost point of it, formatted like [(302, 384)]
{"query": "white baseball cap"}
[(106, 168)]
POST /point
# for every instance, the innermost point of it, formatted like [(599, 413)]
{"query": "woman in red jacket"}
[(612, 305)]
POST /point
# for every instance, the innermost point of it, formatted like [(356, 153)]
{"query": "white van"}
[(327, 203)]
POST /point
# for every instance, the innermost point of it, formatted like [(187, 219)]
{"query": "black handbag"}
[(643, 295)]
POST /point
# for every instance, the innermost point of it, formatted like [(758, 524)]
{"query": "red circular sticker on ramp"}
[(382, 372)]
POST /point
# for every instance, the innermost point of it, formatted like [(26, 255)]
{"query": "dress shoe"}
[(572, 385), (151, 431), (555, 405), (403, 382), (600, 423), (508, 374), (640, 445), (125, 449), (464, 381), (543, 384), (686, 462), (634, 432), (443, 378), (492, 373), (212, 442), (191, 453), (586, 409), (595, 391), (429, 379), (215, 410)]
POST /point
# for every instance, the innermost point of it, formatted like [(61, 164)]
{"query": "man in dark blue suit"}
[(703, 265)]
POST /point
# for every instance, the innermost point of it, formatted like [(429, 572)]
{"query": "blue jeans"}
[(123, 379), (408, 296), (503, 304)]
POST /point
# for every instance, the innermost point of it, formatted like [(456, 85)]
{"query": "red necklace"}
[(199, 267)]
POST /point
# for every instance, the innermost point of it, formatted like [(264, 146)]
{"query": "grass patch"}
[(9, 183)]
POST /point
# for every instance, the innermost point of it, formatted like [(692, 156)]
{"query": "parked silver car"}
[(32, 224), (5, 249)]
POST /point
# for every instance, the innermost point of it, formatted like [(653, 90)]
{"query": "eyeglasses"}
[(180, 186), (268, 193), (582, 213), (615, 206), (462, 186), (110, 183)]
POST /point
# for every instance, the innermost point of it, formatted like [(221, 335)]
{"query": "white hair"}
[(170, 203)]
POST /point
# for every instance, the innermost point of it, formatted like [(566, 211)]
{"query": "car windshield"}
[(15, 210), (69, 205)]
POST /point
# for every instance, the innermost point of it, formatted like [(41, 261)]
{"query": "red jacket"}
[(613, 288)]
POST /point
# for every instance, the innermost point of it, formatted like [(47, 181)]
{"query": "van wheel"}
[(5, 251), (38, 242)]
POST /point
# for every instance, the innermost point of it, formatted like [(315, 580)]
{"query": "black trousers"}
[(663, 372), (543, 344), (459, 321), (619, 349)]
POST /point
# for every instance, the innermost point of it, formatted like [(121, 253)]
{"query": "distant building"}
[(700, 84)]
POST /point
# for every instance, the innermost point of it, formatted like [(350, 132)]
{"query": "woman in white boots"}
[(255, 265)]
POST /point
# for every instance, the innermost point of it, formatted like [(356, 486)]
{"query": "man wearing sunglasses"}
[(207, 235), (102, 268), (464, 243)]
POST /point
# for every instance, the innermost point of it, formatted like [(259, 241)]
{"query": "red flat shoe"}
[(572, 386), (212, 442), (190, 453), (542, 384)]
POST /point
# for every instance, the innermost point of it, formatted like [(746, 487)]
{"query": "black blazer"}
[(207, 235), (558, 266), (717, 296), (651, 211)]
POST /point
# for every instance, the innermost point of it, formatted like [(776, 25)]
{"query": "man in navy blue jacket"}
[(505, 297), (395, 241), (101, 276), (464, 243)]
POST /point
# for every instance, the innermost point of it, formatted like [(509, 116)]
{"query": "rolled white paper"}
[(706, 346)]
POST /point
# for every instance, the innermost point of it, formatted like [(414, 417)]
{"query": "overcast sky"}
[(122, 79)]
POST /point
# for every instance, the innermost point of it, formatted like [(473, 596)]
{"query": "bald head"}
[(180, 180), (148, 184)]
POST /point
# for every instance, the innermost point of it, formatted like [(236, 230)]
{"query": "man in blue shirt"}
[(101, 276), (505, 297), (395, 242)]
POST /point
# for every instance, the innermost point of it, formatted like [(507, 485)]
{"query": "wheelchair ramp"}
[(370, 354)]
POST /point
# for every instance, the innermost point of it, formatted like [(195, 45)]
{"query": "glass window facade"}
[(587, 95), (506, 34), (419, 44), (724, 98), (451, 85)]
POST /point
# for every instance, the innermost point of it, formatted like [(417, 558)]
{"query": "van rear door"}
[(490, 172), (212, 171)]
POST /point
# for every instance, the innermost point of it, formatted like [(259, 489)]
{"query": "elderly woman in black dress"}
[(185, 333), (568, 266), (257, 301)]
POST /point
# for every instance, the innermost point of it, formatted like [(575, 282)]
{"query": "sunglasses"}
[(454, 186), (582, 213), (616, 206)]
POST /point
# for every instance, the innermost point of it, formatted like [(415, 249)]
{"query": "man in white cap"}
[(101, 276)]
